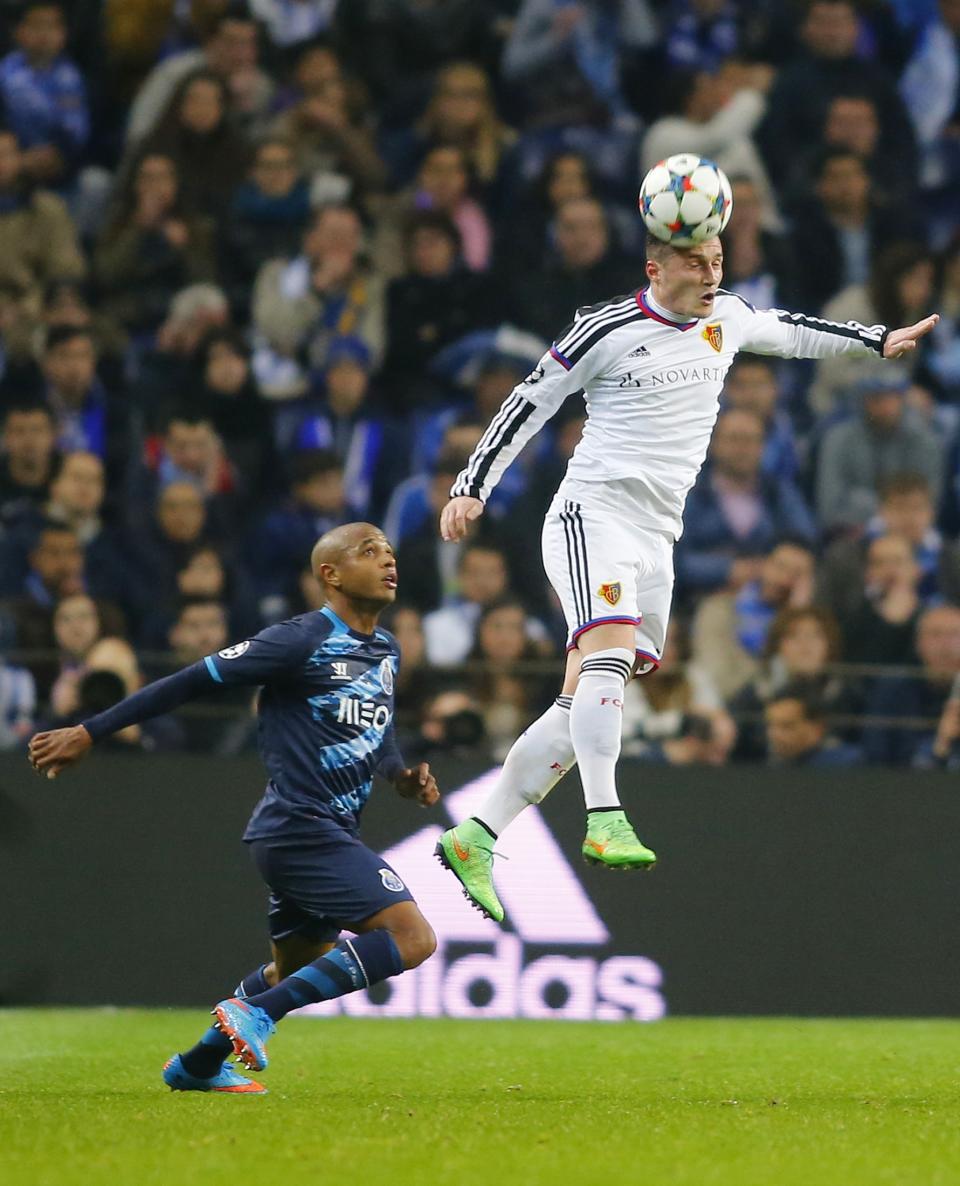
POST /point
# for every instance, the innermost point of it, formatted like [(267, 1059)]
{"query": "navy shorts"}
[(322, 884)]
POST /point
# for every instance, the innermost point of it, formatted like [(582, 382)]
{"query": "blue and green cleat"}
[(467, 851), (226, 1080), (611, 841), (248, 1027)]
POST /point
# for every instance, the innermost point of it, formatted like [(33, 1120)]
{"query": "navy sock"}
[(206, 1058), (252, 984), (353, 964)]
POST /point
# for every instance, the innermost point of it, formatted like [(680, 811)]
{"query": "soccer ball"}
[(685, 199)]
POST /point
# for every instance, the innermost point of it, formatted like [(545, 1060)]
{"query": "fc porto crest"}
[(386, 677), (713, 333), (610, 592)]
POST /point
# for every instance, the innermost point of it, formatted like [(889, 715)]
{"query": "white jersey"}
[(652, 390)]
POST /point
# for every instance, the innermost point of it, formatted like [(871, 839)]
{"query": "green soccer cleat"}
[(467, 851), (612, 841)]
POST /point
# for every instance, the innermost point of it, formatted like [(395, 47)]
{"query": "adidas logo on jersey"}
[(640, 352), (363, 712)]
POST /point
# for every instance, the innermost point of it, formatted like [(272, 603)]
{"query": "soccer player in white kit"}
[(651, 366)]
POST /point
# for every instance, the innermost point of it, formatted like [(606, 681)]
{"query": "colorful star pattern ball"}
[(685, 200)]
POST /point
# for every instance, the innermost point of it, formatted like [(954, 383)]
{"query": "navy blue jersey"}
[(325, 718)]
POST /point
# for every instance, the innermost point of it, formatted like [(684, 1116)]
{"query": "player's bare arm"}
[(56, 749), (419, 784)]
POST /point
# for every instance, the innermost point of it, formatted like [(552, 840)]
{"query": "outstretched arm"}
[(798, 335), (252, 662), (571, 362)]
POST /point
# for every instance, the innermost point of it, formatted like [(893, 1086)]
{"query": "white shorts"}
[(606, 569)]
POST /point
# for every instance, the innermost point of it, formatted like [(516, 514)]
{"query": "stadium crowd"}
[(266, 269)]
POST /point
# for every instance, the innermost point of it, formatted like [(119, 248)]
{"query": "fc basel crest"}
[(610, 593), (714, 335)]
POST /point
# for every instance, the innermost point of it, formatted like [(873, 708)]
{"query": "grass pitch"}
[(678, 1103)]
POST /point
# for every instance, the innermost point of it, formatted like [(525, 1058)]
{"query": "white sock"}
[(596, 721), (537, 760)]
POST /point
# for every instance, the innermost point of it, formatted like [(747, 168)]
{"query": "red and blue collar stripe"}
[(655, 316)]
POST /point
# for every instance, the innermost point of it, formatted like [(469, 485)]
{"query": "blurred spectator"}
[(906, 510), (584, 269), (702, 34), (482, 579), (825, 64), (715, 115), (301, 305), (735, 513), (200, 629), (76, 627), (453, 725), (509, 698), (266, 217), (190, 451), (900, 291), (86, 418), (442, 184), (197, 135), (676, 715), (152, 246), (328, 128), (38, 241), (227, 395), (918, 701), (880, 627), (43, 95), (802, 644), (528, 231), (290, 22), (883, 439), (931, 88), (413, 685), (68, 304), (758, 264), (565, 58), (852, 122), (943, 750), (282, 542), (18, 705), (836, 230), (943, 357), (462, 113), (54, 570), (751, 386), (730, 629), (27, 458), (348, 421), (170, 366), (797, 733), (230, 51), (159, 546), (433, 304)]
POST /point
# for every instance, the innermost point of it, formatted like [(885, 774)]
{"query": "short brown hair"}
[(906, 483), (788, 618)]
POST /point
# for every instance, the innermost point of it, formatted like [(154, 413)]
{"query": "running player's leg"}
[(338, 878)]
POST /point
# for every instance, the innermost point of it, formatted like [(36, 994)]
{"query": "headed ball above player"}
[(685, 200)]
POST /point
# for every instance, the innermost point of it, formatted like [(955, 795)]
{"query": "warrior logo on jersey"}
[(713, 333), (386, 677), (610, 592)]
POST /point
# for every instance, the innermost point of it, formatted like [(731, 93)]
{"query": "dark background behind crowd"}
[(268, 268)]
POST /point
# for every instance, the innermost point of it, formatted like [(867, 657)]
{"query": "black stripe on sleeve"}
[(573, 356), (520, 417), (870, 335)]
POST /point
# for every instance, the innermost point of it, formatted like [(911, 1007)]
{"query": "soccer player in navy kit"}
[(325, 728)]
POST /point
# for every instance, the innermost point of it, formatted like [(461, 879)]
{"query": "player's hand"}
[(457, 516), (901, 341), (51, 752), (418, 784)]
